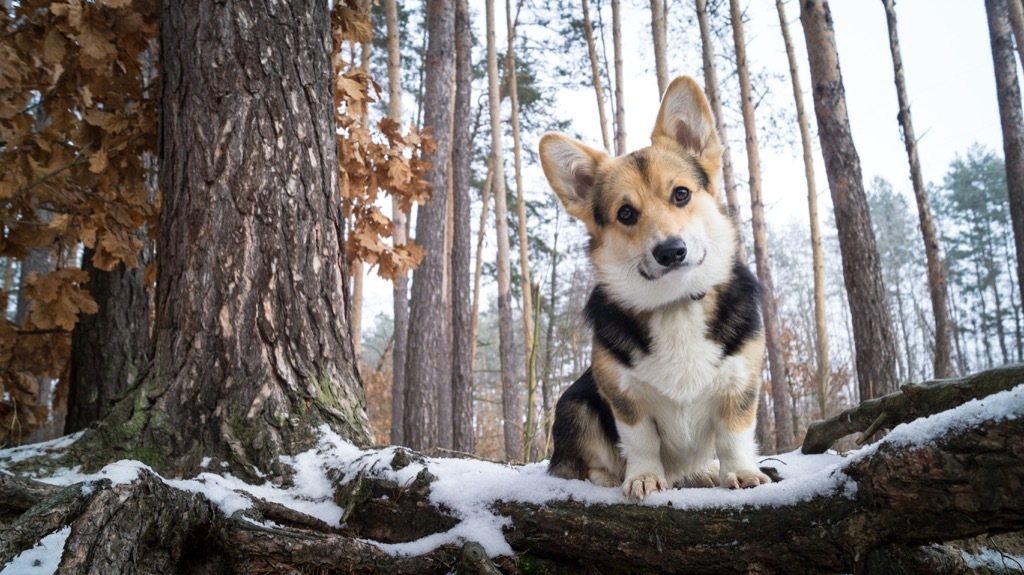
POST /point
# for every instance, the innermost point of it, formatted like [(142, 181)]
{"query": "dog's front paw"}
[(744, 478), (642, 485)]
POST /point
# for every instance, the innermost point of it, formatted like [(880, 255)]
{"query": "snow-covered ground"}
[(468, 487)]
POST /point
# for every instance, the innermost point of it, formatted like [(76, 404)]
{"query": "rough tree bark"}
[(936, 272), (1011, 119), (1016, 14), (252, 345), (658, 38), (769, 311), (595, 75), (398, 218), (620, 105), (862, 270), (428, 407), (820, 321), (509, 393), (882, 516), (715, 98), (462, 151), (108, 348)]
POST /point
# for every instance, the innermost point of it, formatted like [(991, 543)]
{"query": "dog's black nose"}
[(670, 252)]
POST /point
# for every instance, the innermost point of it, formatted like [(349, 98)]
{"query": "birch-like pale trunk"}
[(769, 310), (595, 72), (817, 257), (512, 424)]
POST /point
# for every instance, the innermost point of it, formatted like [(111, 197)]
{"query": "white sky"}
[(947, 65)]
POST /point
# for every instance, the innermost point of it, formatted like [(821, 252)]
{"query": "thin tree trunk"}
[(715, 98), (1016, 15), (658, 37), (620, 105), (400, 290), (462, 152), (862, 270), (993, 275), (509, 393), (905, 369), (547, 391), (356, 273), (982, 321), (936, 276), (108, 348), (769, 310), (1011, 119), (526, 286), (8, 274), (478, 272), (596, 76), (822, 368)]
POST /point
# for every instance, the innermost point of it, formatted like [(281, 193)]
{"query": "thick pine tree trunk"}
[(715, 98), (400, 293), (109, 347), (512, 425), (1011, 119), (862, 270), (820, 321), (936, 272), (252, 345), (428, 367), (769, 310), (595, 74), (462, 151)]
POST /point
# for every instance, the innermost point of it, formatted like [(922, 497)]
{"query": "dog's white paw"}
[(642, 485), (744, 479)]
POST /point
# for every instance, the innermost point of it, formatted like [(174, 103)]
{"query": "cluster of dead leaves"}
[(372, 161), (78, 127)]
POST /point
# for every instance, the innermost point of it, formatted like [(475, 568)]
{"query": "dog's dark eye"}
[(627, 215), (680, 196)]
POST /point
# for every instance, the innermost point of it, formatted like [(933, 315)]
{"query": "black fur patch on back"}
[(616, 329), (737, 316), (580, 400)]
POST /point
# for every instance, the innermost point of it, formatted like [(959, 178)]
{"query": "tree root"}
[(912, 401)]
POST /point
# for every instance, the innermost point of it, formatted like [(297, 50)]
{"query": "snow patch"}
[(994, 559), (41, 559), (18, 454)]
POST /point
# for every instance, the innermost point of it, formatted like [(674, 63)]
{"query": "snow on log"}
[(953, 475)]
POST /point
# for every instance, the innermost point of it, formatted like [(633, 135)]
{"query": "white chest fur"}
[(682, 383)]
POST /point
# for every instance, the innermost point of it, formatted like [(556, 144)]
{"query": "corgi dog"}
[(678, 342)]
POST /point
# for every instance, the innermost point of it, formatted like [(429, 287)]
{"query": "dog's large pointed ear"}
[(685, 118), (571, 169)]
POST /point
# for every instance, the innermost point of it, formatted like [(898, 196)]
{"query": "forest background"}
[(955, 107)]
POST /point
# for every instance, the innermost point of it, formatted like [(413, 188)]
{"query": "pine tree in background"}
[(428, 399)]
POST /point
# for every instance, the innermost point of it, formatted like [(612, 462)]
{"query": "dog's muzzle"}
[(670, 253)]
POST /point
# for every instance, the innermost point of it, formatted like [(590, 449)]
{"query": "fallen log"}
[(912, 401), (954, 478)]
